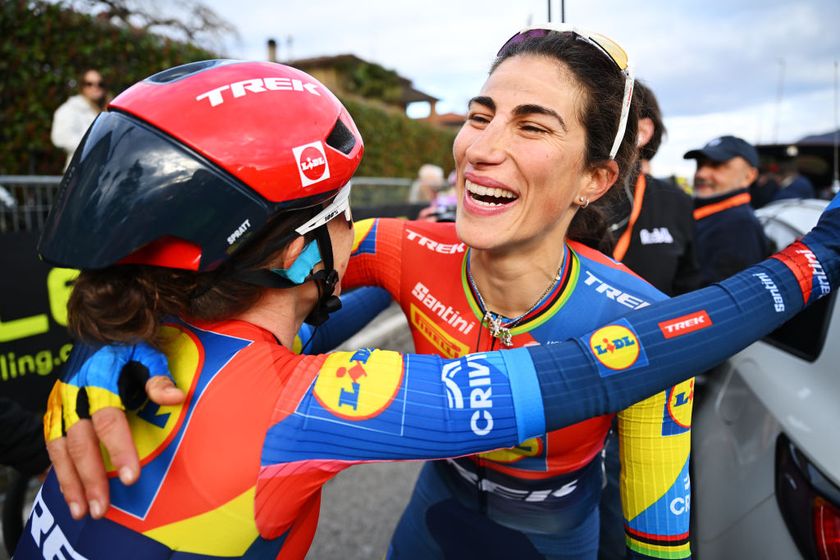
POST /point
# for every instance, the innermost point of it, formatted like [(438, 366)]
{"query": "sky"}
[(764, 70)]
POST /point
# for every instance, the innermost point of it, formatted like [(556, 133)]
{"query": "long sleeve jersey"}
[(236, 471), (538, 486)]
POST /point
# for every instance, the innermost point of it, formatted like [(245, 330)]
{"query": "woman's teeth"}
[(489, 196)]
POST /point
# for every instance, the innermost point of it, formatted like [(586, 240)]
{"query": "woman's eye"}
[(533, 128)]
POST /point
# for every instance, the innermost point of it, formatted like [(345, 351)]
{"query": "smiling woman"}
[(548, 137)]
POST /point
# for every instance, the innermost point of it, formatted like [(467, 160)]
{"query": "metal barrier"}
[(25, 200)]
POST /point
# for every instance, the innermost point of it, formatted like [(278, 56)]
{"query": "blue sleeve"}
[(358, 308), (375, 405), (661, 345)]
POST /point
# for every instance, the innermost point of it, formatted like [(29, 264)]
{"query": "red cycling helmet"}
[(189, 164)]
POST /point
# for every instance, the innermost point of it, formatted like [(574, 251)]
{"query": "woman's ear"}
[(599, 180), (292, 252)]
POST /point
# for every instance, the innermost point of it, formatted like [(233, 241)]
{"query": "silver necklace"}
[(493, 321)]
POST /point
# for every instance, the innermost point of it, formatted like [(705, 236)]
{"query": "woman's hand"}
[(85, 409)]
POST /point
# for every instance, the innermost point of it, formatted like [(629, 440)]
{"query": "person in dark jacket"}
[(22, 439), (792, 184), (655, 230), (729, 236)]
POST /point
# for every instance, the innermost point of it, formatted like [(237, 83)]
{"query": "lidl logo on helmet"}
[(616, 348), (312, 163)]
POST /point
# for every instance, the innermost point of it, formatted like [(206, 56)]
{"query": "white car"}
[(766, 432)]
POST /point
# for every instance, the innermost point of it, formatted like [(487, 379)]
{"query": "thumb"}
[(162, 390)]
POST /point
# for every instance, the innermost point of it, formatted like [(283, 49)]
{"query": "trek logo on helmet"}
[(257, 85), (312, 163)]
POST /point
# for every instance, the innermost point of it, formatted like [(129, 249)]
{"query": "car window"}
[(804, 335)]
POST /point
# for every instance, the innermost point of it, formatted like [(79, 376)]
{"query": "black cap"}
[(725, 148)]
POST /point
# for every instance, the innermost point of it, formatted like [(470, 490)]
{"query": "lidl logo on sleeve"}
[(359, 385), (616, 348), (676, 418)]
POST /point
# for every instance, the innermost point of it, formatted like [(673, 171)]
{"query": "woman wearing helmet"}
[(302, 419)]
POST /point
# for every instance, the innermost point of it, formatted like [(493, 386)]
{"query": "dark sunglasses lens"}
[(522, 36), (95, 84)]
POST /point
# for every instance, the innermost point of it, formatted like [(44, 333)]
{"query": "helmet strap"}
[(325, 279)]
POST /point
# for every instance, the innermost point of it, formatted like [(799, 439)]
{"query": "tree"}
[(189, 21)]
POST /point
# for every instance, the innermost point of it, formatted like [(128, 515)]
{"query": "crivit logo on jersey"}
[(445, 312), (443, 248), (312, 163), (474, 371), (359, 385), (616, 348), (676, 418), (685, 324), (614, 294), (256, 85)]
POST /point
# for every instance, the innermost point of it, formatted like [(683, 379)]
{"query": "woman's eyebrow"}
[(530, 109), (483, 100)]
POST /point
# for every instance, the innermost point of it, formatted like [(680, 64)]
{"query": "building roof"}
[(410, 94)]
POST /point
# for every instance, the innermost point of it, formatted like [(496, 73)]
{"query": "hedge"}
[(45, 46)]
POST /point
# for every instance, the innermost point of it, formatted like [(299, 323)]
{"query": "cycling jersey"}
[(543, 485), (237, 470)]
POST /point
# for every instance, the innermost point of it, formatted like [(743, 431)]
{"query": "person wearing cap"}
[(729, 237)]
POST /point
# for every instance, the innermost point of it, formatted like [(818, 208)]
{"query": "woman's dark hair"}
[(602, 85), (126, 303), (649, 109)]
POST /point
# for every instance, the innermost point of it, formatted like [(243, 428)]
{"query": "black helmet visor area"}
[(130, 185)]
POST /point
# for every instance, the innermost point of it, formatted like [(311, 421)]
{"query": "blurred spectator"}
[(766, 186), (444, 205), (655, 230), (429, 181), (22, 439), (729, 237), (792, 184), (72, 119)]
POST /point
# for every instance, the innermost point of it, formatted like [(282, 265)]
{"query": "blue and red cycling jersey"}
[(237, 470), (532, 487)]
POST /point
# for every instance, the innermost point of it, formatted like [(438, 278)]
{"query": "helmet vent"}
[(341, 138), (173, 74)]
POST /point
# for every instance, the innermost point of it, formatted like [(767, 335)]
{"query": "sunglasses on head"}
[(605, 45)]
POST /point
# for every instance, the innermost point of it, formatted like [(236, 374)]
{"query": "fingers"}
[(111, 428), (84, 456), (162, 390), (68, 478)]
